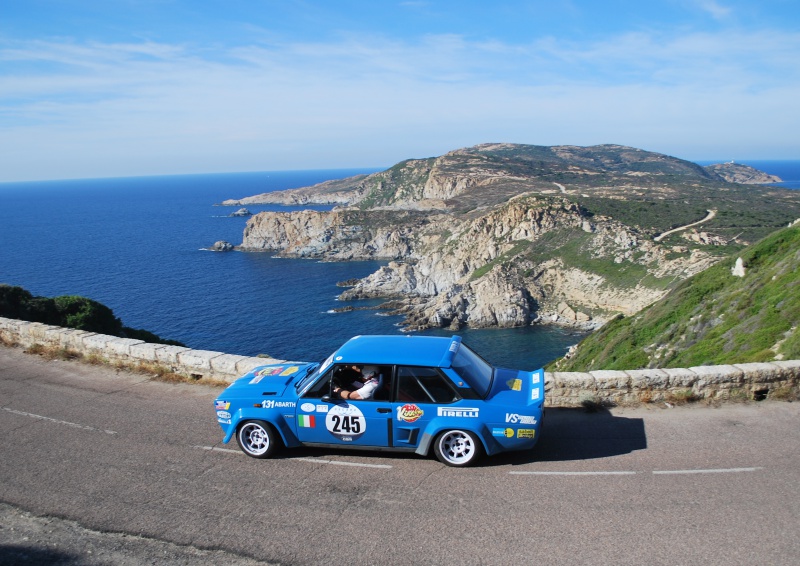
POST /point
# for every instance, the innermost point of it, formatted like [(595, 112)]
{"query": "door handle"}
[(384, 410)]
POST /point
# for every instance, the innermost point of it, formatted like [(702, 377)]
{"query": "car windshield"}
[(473, 369), (313, 372)]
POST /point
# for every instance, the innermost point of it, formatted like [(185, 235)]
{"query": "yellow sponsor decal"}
[(290, 370), (526, 432), (514, 384)]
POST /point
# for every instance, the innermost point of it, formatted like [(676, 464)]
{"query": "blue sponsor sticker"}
[(504, 432)]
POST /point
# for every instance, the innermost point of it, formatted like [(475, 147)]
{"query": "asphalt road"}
[(99, 465)]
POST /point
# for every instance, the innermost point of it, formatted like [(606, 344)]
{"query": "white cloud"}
[(87, 109), (715, 9)]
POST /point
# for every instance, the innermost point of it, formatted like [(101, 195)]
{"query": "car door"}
[(323, 420), (420, 392)]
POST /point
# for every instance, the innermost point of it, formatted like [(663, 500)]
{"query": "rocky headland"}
[(503, 235), (744, 174)]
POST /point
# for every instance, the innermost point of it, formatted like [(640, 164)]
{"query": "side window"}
[(423, 385), (344, 376)]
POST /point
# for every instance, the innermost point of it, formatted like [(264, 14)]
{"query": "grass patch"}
[(785, 393), (574, 250), (504, 257), (156, 371), (594, 403), (681, 397)]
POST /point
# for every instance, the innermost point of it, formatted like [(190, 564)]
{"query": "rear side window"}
[(473, 369), (423, 385)]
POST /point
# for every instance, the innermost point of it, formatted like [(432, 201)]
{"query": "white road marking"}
[(709, 471), (514, 473), (52, 420), (312, 460), (573, 473), (337, 463), (215, 449)]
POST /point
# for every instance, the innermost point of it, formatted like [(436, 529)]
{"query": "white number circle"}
[(346, 422)]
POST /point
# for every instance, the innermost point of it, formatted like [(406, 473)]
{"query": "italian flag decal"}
[(306, 421)]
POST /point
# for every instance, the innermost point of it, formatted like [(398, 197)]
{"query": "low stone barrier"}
[(757, 381), (736, 382), (197, 364)]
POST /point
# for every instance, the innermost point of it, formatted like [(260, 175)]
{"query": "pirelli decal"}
[(458, 412)]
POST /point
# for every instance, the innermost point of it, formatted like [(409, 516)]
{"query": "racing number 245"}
[(350, 424)]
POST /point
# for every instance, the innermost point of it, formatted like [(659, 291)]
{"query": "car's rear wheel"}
[(457, 448), (257, 439)]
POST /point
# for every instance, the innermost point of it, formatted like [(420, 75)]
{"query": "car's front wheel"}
[(257, 439), (457, 448)]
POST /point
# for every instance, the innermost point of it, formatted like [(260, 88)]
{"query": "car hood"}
[(270, 379)]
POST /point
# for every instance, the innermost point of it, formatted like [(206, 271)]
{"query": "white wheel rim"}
[(457, 447), (254, 439)]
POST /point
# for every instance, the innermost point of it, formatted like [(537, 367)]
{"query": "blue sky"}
[(107, 88)]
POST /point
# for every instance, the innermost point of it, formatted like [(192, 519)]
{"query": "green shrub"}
[(70, 311), (85, 314)]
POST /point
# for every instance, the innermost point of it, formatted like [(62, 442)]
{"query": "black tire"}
[(257, 439), (457, 448)]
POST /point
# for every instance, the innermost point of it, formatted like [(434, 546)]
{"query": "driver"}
[(367, 380)]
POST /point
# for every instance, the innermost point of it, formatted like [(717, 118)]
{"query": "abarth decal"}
[(273, 404)]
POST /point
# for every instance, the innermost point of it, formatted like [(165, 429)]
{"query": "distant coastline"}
[(468, 233)]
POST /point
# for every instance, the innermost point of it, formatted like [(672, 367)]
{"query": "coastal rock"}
[(341, 191), (744, 174), (335, 235), (738, 269), (461, 282), (241, 212), (222, 246)]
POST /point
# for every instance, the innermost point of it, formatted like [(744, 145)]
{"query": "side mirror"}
[(328, 399)]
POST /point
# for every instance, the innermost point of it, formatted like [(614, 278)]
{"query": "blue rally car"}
[(401, 393)]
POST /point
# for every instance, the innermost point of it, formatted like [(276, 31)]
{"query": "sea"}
[(140, 245)]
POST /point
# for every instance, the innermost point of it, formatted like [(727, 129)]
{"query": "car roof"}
[(435, 351)]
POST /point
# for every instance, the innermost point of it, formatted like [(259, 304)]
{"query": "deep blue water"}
[(137, 246)]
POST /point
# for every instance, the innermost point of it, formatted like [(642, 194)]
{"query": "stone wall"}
[(177, 359), (738, 382), (735, 382)]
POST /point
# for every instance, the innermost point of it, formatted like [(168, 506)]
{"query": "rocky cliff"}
[(507, 235), (738, 173)]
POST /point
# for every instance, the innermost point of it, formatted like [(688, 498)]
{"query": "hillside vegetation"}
[(711, 318)]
